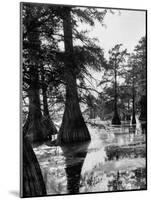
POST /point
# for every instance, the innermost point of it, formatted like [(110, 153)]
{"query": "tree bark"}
[(143, 104), (33, 183), (115, 119), (34, 127), (128, 116), (133, 112), (73, 128), (143, 115), (46, 116)]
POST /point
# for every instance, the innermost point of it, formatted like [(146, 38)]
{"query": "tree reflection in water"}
[(74, 158), (97, 181), (144, 127), (73, 177), (113, 160), (127, 180)]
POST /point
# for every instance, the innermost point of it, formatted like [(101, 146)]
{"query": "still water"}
[(114, 159)]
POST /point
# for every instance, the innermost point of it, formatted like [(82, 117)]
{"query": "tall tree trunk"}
[(143, 115), (128, 116), (143, 104), (73, 128), (34, 127), (133, 90), (33, 183), (46, 116), (115, 119)]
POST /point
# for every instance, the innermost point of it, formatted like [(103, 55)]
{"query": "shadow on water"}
[(74, 161)]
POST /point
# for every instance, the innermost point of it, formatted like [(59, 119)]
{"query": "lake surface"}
[(114, 159)]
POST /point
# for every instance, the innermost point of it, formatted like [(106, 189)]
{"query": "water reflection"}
[(113, 180), (115, 159), (132, 129), (117, 152), (144, 127), (128, 180), (74, 161), (113, 167)]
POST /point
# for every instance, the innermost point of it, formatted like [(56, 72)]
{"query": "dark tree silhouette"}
[(133, 97), (136, 78), (140, 57), (73, 128), (46, 116), (33, 183), (33, 128), (34, 18), (73, 170), (117, 57)]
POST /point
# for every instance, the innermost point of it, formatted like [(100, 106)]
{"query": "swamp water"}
[(114, 159)]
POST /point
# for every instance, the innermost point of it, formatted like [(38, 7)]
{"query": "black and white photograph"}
[(83, 78)]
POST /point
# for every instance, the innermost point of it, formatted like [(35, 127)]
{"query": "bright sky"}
[(126, 28), (123, 27)]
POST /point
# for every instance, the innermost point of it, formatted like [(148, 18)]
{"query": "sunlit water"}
[(113, 160)]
